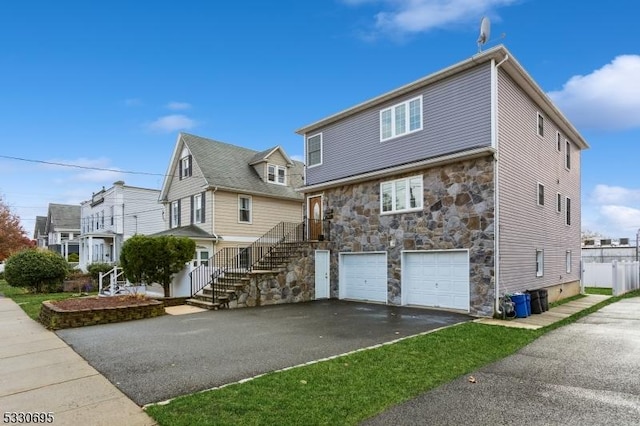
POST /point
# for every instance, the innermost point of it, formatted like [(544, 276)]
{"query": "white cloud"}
[(414, 16), (178, 106), (612, 211), (171, 123), (608, 98), (605, 194)]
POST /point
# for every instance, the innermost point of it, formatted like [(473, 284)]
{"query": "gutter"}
[(496, 176)]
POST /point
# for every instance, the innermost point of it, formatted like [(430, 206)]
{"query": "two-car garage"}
[(438, 278)]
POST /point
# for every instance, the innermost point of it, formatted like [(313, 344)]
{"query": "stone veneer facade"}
[(458, 213)]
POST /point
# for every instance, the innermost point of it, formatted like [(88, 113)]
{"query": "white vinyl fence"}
[(621, 277)]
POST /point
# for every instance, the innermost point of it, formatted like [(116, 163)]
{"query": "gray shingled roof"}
[(63, 216), (190, 231), (228, 167), (41, 226)]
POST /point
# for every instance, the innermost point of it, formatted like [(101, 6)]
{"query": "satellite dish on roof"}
[(485, 32)]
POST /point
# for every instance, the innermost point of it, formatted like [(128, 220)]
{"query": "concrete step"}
[(203, 304)]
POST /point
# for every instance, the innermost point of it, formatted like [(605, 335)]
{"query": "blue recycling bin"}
[(521, 305)]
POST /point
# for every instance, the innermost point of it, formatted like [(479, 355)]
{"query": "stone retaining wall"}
[(55, 318)]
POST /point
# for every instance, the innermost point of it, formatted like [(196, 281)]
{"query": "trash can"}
[(544, 299), (520, 303), (536, 307)]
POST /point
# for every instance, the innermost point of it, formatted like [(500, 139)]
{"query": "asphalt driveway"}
[(586, 373), (159, 358)]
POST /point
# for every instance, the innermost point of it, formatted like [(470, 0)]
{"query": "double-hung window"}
[(567, 152), (567, 207), (567, 261), (175, 214), (244, 209), (540, 194), (276, 174), (314, 150), (558, 141), (401, 119), (539, 263), (401, 195), (197, 208), (185, 167), (540, 125)]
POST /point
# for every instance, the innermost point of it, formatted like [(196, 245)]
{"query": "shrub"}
[(95, 268), (74, 258), (37, 270)]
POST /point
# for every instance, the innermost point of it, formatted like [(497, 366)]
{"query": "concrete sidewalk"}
[(549, 317), (40, 373)]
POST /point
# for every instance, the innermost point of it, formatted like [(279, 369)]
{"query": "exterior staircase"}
[(217, 282)]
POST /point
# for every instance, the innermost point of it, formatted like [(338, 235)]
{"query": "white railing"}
[(118, 285), (620, 277)]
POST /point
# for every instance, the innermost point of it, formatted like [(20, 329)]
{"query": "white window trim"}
[(392, 108), (567, 211), (538, 186), (276, 169), (567, 154), (172, 214), (186, 171), (197, 208), (558, 142), (306, 150), (567, 260), (539, 263), (407, 180), (540, 116), (250, 209), (558, 203)]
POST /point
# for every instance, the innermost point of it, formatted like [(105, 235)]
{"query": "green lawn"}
[(349, 389), (598, 290), (29, 302)]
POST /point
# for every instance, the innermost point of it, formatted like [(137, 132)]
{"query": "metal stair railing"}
[(264, 253)]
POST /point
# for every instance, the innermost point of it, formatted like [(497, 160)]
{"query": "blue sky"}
[(108, 85)]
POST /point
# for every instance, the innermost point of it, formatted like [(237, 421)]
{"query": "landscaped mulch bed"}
[(83, 311)]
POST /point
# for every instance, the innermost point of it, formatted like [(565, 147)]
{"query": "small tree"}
[(155, 259), (37, 270), (13, 237), (96, 268)]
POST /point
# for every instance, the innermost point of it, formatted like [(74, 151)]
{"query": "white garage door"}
[(436, 278), (363, 276)]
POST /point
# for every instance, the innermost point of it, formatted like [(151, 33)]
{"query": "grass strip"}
[(598, 290), (30, 302), (350, 389)]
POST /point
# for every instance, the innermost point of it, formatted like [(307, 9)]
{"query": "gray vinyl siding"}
[(524, 160), (456, 114)]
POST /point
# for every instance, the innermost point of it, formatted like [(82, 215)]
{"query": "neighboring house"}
[(449, 191), (39, 233), (226, 196), (62, 228), (113, 215)]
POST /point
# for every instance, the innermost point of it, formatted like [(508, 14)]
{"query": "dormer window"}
[(185, 167), (276, 174)]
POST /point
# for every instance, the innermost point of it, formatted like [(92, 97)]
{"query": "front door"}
[(314, 214)]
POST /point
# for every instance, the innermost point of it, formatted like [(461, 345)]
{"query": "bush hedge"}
[(37, 270)]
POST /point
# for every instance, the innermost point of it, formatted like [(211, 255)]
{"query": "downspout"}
[(213, 217), (494, 145)]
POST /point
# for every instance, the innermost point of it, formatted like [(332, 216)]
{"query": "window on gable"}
[(185, 167), (276, 174), (567, 153), (314, 150), (567, 207), (558, 141), (174, 214), (540, 125), (559, 202), (244, 209), (540, 194), (567, 261), (539, 263), (401, 119), (112, 214), (401, 195)]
